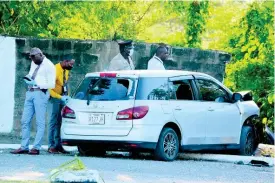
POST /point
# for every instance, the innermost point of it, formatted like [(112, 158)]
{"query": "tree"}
[(26, 18), (252, 67), (196, 18), (246, 32), (221, 24), (97, 20)]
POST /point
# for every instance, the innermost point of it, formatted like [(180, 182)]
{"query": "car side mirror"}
[(236, 97)]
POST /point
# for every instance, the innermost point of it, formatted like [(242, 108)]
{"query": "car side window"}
[(181, 90), (152, 88), (211, 91)]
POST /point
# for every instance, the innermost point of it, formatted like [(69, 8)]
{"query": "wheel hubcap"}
[(170, 145), (249, 144)]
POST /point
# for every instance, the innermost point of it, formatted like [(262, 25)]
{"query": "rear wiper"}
[(91, 89)]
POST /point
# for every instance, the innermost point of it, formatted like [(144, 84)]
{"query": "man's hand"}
[(65, 99)]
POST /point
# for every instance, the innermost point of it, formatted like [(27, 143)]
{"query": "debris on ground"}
[(265, 150), (87, 176), (74, 171), (258, 163)]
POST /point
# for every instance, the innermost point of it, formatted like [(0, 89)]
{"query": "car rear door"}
[(187, 110), (97, 102)]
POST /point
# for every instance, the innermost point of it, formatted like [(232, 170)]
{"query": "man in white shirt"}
[(40, 78), (156, 62), (123, 60)]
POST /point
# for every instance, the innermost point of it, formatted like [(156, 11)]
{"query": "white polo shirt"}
[(155, 63), (45, 77)]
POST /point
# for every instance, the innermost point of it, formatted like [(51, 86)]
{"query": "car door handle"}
[(210, 109), (178, 108)]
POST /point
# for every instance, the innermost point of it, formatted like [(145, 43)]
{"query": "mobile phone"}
[(26, 78)]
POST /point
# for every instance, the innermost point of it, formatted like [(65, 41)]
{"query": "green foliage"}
[(221, 25), (149, 21), (164, 23), (238, 27), (25, 18), (252, 67), (97, 20), (196, 18)]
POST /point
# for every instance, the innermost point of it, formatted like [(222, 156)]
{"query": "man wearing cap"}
[(41, 77), (59, 97), (156, 63), (123, 60)]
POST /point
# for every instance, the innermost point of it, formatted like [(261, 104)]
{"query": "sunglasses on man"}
[(32, 56)]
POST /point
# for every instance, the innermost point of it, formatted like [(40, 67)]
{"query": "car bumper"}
[(139, 135), (112, 145)]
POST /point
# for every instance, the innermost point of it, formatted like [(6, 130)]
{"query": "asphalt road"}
[(118, 169)]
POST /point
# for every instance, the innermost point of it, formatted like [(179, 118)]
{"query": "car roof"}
[(157, 73), (151, 73)]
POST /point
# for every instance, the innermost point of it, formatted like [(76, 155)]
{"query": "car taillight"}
[(68, 113), (107, 75), (132, 113)]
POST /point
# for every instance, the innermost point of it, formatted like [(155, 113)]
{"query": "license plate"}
[(96, 119)]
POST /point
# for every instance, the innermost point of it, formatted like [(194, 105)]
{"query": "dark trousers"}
[(54, 115)]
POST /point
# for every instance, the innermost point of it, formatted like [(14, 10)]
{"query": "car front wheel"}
[(168, 145), (247, 141)]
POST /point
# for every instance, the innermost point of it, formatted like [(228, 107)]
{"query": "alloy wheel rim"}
[(170, 145)]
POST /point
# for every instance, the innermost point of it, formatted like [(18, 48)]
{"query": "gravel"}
[(117, 168)]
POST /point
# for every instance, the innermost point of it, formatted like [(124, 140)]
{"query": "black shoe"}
[(19, 151), (34, 152), (53, 150), (62, 150)]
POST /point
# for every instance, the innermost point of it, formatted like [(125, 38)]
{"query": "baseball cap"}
[(35, 51)]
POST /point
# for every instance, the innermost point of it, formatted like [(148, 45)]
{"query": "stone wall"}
[(95, 56)]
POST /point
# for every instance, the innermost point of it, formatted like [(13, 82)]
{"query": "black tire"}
[(85, 150), (247, 141), (169, 136)]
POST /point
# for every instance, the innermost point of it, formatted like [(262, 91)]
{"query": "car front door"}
[(186, 109), (222, 116)]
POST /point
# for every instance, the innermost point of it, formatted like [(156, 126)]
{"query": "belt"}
[(37, 89), (34, 89)]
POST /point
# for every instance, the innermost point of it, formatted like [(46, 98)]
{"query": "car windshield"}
[(99, 89)]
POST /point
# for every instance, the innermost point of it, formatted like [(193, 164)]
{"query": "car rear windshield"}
[(98, 89)]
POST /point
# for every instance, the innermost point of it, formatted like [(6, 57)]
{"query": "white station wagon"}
[(160, 111)]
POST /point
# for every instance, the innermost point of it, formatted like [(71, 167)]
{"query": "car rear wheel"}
[(168, 145), (86, 150), (247, 141)]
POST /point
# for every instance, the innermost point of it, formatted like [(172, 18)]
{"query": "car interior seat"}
[(184, 92)]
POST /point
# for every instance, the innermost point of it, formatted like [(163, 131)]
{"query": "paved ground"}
[(118, 169)]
